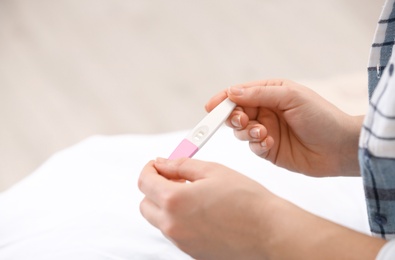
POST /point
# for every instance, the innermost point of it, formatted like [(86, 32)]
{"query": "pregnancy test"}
[(202, 132)]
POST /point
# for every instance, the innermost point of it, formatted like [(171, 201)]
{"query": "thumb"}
[(270, 94), (184, 168)]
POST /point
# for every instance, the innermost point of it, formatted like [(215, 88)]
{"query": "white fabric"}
[(83, 203), (387, 252)]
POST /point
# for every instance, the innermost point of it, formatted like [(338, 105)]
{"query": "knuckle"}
[(256, 148), (171, 200), (179, 163), (258, 91), (140, 183), (142, 207), (170, 228)]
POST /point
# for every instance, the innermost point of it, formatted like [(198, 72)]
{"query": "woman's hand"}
[(213, 216), (294, 127), (222, 214)]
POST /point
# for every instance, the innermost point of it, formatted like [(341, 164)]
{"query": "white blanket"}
[(83, 203)]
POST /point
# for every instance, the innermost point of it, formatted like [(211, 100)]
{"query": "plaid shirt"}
[(377, 140)]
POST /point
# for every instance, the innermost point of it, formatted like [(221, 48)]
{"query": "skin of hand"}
[(221, 214), (294, 127)]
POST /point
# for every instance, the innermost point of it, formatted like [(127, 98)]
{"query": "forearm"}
[(308, 236)]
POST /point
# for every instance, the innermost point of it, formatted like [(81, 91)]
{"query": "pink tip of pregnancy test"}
[(184, 149)]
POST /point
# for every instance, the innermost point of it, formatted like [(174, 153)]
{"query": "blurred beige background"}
[(75, 68)]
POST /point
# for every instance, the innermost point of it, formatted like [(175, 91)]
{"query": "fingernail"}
[(255, 132), (160, 160), (236, 121), (236, 90), (264, 144)]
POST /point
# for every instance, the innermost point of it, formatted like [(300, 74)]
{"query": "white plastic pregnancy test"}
[(202, 132)]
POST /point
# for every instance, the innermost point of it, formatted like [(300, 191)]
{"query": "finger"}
[(266, 82), (254, 132), (237, 119), (263, 147), (218, 98), (184, 168), (215, 100), (153, 185), (151, 212), (277, 96)]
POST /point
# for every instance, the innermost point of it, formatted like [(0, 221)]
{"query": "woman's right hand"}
[(294, 127)]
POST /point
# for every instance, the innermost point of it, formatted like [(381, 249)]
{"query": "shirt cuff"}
[(387, 252)]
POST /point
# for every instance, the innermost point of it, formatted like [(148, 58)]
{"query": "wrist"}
[(349, 165), (293, 233)]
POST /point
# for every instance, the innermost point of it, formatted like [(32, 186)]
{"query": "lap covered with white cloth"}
[(83, 203)]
